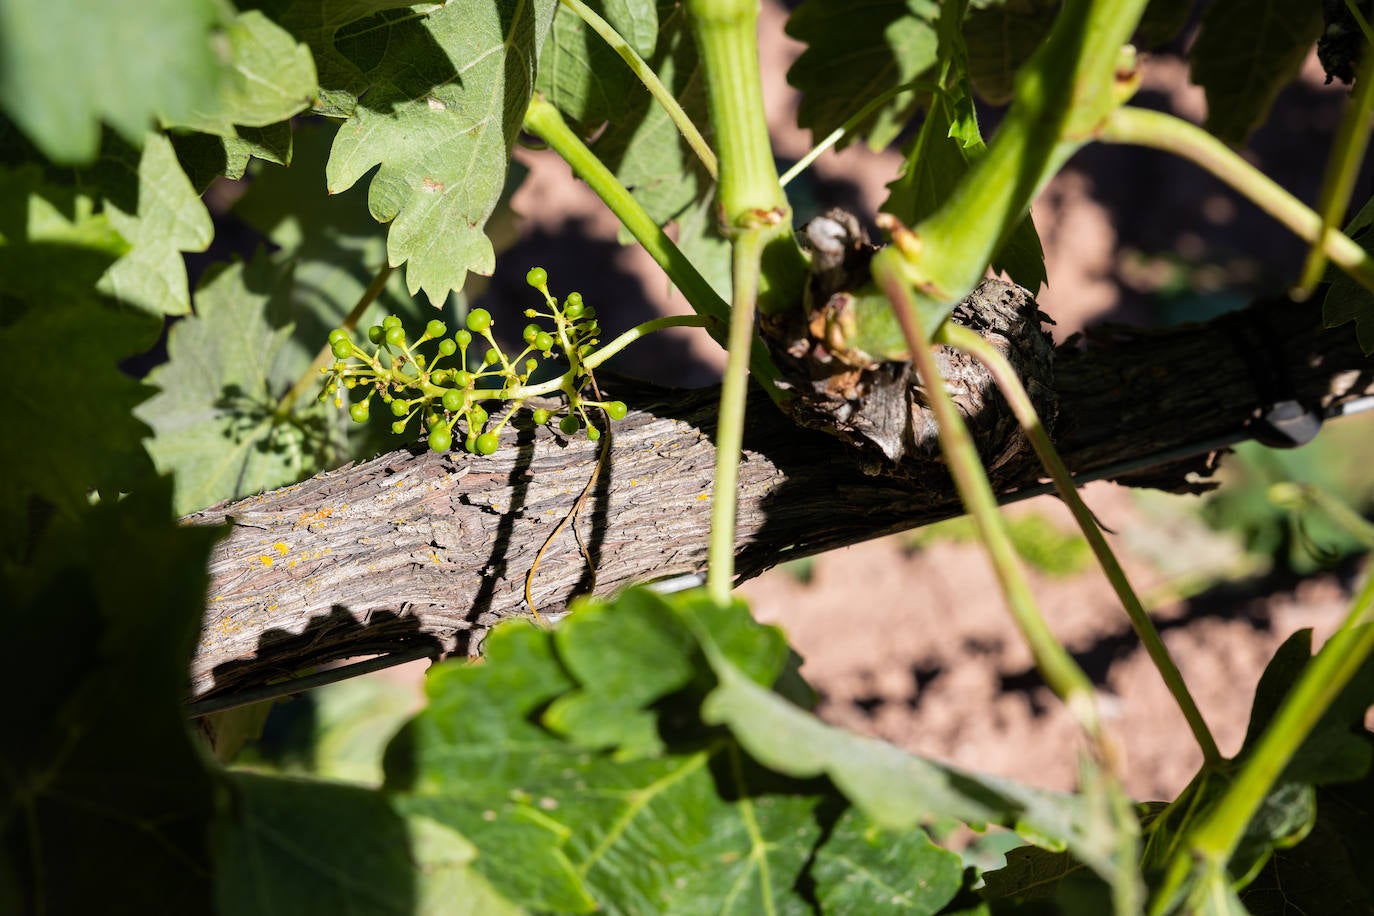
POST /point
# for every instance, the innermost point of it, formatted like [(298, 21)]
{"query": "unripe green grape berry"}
[(569, 425), (440, 439), (343, 349), (391, 321), (420, 360), (617, 410), (477, 416), (584, 349), (439, 376), (531, 365), (470, 444), (530, 333), (478, 320), (488, 443), (447, 347), (593, 433), (396, 336), (376, 333), (337, 335), (350, 383), (541, 416), (435, 328), (531, 313), (453, 400), (491, 357), (398, 427), (462, 338), (462, 378), (359, 412), (573, 307), (331, 387), (537, 277), (400, 408), (543, 342)]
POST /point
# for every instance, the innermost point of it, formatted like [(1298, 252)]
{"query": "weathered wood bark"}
[(413, 549)]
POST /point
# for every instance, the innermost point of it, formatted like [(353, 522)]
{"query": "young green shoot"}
[(1060, 671), (650, 81), (1209, 845), (720, 557), (1347, 155), (1015, 393), (1174, 135)]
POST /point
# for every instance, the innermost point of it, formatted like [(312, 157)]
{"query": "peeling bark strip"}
[(414, 549)]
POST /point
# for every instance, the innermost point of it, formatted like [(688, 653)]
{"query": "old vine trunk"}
[(418, 550)]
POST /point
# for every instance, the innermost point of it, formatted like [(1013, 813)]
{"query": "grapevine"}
[(447, 390)]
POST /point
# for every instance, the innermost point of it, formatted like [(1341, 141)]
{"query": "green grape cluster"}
[(447, 390)]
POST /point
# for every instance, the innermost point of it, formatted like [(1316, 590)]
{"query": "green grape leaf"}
[(90, 339), (1246, 52), (895, 789), (54, 246), (157, 210), (1336, 749), (1001, 36), (699, 237), (215, 417), (862, 868), (206, 157), (519, 756), (271, 77), (444, 104), (946, 145), (68, 65), (643, 146), (100, 765), (1346, 300), (310, 846), (580, 74), (348, 39), (856, 52), (1162, 22), (334, 246), (1327, 872)]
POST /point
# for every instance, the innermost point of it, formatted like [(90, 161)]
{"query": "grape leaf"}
[(100, 766), (205, 157), (54, 246), (1246, 52), (1162, 21), (310, 846), (1346, 300), (67, 65), (444, 104), (643, 146), (1000, 38), (159, 213), (580, 74), (271, 77), (856, 52), (332, 243), (215, 417), (862, 868), (87, 339), (946, 145), (895, 789)]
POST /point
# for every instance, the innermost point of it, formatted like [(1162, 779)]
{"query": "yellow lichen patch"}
[(265, 560), (310, 518), (701, 496), (282, 548)]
